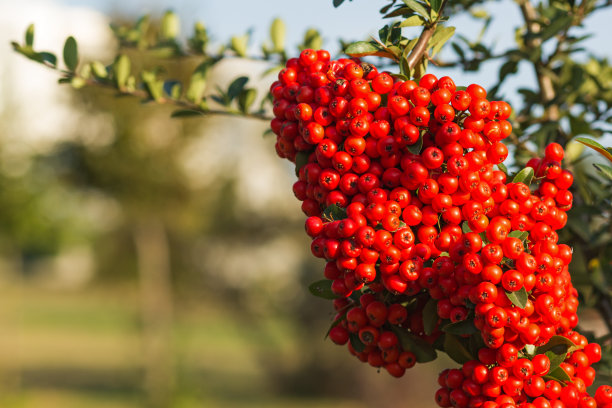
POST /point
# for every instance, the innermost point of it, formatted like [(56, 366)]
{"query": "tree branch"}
[(418, 52)]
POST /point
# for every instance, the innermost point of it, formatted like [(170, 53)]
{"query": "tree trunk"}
[(153, 257)]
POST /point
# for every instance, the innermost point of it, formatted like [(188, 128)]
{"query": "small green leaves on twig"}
[(71, 53)]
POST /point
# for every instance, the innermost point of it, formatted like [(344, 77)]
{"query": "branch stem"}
[(418, 52)]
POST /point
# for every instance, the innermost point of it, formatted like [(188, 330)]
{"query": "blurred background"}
[(150, 261)]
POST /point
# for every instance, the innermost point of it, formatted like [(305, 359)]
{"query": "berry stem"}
[(418, 52)]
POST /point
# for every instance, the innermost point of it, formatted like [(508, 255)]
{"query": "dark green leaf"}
[(29, 36), (457, 348), (71, 54), (173, 89), (356, 342), (301, 159), (558, 345), (462, 327), (337, 3), (236, 87), (558, 375), (334, 212), (47, 57), (185, 113), (436, 5), (503, 168), (555, 359), (400, 11), (322, 289), (518, 298), (596, 146), (414, 5), (509, 67), (524, 176), (430, 316), (335, 323), (423, 351), (417, 147), (559, 24)]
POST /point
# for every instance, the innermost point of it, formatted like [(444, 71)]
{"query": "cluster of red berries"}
[(424, 236)]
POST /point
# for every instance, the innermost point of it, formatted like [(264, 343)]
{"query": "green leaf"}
[(170, 26), (364, 48), (518, 298), (416, 7), (46, 57), (335, 323), (301, 159), (456, 349), (173, 89), (436, 5), (121, 70), (246, 99), (29, 36), (604, 169), (558, 375), (558, 345), (522, 235), (465, 228), (337, 3), (462, 327), (413, 21), (334, 212), (423, 351), (557, 25), (236, 87), (356, 342), (595, 146), (239, 44), (555, 359), (98, 69), (71, 53), (197, 83), (77, 82), (154, 86), (440, 37), (322, 289), (430, 316), (524, 176), (185, 113), (417, 146), (277, 34), (503, 168)]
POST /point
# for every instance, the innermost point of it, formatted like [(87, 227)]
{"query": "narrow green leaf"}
[(71, 53), (277, 34), (416, 6), (557, 25), (236, 87), (46, 58), (555, 359), (423, 351), (322, 289), (246, 99), (436, 5), (364, 48), (170, 26), (604, 169), (121, 70), (595, 146), (462, 327), (518, 298), (413, 21), (29, 36), (503, 168), (337, 3), (456, 349), (465, 227), (334, 212), (524, 176), (430, 316), (185, 113), (335, 323)]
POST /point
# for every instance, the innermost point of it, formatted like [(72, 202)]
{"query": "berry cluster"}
[(428, 245)]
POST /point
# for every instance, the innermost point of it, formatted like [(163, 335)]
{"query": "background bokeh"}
[(149, 261)]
